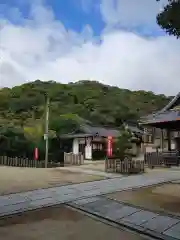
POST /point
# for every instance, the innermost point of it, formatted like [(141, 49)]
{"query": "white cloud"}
[(46, 50), (131, 13)]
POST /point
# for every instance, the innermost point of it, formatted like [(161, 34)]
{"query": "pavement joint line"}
[(91, 195), (164, 213), (84, 183), (146, 221), (132, 227), (141, 186), (104, 192), (84, 207), (171, 226), (107, 222), (129, 214)]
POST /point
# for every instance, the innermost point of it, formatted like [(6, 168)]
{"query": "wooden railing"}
[(25, 162), (165, 158), (73, 159), (20, 162), (127, 166)]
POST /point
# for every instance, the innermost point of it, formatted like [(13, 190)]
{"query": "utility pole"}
[(46, 135)]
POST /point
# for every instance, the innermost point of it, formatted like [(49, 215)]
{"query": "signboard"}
[(109, 146), (45, 136)]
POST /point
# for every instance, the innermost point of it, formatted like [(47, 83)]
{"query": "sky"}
[(116, 42)]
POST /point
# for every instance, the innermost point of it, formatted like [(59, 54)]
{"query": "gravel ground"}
[(14, 179), (164, 197), (60, 223)]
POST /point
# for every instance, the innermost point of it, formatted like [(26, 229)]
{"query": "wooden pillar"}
[(88, 149), (169, 139), (75, 146), (162, 139)]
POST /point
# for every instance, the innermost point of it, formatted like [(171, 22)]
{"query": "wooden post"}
[(6, 159), (162, 139), (15, 161), (169, 139)]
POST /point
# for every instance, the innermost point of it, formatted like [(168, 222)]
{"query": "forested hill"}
[(91, 100)]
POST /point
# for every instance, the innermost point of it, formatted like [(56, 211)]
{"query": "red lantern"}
[(36, 153), (109, 146)]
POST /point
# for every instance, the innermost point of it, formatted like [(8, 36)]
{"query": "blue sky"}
[(116, 42), (75, 14), (72, 13)]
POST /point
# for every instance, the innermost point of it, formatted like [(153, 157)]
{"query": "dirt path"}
[(14, 180), (165, 198), (60, 223)]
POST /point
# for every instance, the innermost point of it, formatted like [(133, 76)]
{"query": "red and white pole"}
[(109, 146), (36, 154)]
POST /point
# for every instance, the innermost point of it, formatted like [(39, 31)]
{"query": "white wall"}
[(75, 146), (88, 152), (88, 148)]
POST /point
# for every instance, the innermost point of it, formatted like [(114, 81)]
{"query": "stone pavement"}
[(19, 202), (91, 172), (153, 224)]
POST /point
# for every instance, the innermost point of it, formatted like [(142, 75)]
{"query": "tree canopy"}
[(24, 105), (123, 142), (169, 18)]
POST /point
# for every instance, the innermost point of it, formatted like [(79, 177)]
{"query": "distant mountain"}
[(91, 100)]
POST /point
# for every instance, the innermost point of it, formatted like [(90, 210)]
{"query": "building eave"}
[(169, 119), (78, 135), (171, 103), (168, 107)]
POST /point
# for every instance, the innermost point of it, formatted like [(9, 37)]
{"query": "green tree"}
[(105, 105), (34, 133), (169, 18), (13, 142), (66, 123), (123, 143)]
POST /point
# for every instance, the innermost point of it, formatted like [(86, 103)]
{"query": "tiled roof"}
[(89, 130), (100, 131), (165, 110), (75, 135), (167, 116)]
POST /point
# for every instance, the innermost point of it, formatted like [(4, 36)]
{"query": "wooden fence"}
[(127, 166), (165, 158), (73, 159), (23, 162)]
